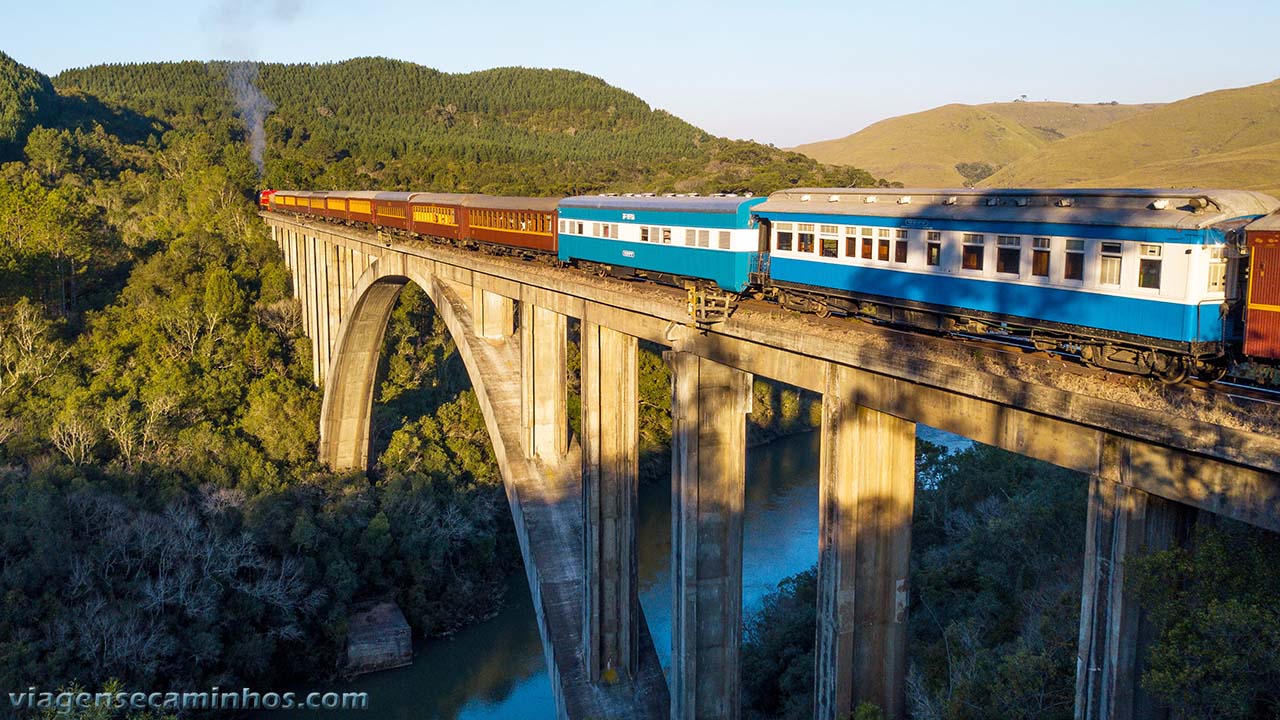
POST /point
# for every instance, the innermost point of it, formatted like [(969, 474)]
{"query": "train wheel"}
[(1212, 370), (821, 309), (1175, 370)]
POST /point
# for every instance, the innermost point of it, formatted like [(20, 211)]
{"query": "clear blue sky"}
[(782, 73)]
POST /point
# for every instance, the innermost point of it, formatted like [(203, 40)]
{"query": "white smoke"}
[(252, 106), (233, 27)]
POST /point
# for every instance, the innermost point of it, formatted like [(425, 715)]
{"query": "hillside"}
[(957, 144), (25, 96), (1226, 138), (374, 122)]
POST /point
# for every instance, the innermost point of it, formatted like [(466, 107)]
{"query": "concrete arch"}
[(345, 414), (545, 497)]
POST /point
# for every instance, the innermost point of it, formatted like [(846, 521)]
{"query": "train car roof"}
[(1269, 223), (1186, 209), (357, 194), (392, 196), (438, 198), (727, 205), (498, 202)]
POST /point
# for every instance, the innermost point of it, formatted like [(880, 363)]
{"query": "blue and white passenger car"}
[(664, 238), (1133, 280)]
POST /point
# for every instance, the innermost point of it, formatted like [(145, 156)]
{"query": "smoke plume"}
[(252, 106)]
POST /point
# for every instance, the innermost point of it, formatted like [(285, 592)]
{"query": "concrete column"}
[(332, 304), (324, 304), (610, 469), (866, 492), (492, 315), (709, 403), (313, 310), (298, 278), (544, 390), (1123, 523)]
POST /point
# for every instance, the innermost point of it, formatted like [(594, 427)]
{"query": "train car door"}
[(1262, 315)]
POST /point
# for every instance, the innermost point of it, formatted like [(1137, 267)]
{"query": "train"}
[(1163, 283)]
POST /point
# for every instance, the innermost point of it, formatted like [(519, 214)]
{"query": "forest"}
[(167, 524)]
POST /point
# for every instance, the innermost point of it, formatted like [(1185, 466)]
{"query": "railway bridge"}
[(1156, 457)]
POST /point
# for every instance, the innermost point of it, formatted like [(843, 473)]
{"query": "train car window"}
[(902, 234), (1149, 267), (933, 253), (644, 234), (851, 247), (1073, 265), (1109, 269), (666, 236), (1040, 256), (804, 241), (933, 248), (690, 237), (784, 239), (724, 239), (564, 224), (704, 238), (974, 253), (868, 248), (884, 249), (900, 250), (1217, 269), (829, 240), (1009, 254)]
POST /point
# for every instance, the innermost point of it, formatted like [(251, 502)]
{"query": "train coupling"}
[(708, 304)]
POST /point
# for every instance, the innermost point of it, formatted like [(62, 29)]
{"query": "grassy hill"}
[(1227, 138), (957, 145), (374, 122)]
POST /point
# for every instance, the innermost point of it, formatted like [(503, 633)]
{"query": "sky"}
[(780, 73)]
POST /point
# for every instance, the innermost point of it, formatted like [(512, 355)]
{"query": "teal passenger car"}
[(663, 238)]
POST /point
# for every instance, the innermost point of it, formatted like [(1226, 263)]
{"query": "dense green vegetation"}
[(166, 522), (379, 123), (1213, 604)]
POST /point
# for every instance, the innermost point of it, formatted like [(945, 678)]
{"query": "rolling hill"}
[(957, 144), (376, 122), (1226, 138)]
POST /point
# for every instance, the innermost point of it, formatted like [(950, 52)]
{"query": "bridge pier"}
[(866, 490), (544, 385), (493, 314), (709, 403), (610, 472), (1123, 523)]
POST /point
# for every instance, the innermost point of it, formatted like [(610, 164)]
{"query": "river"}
[(494, 670)]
